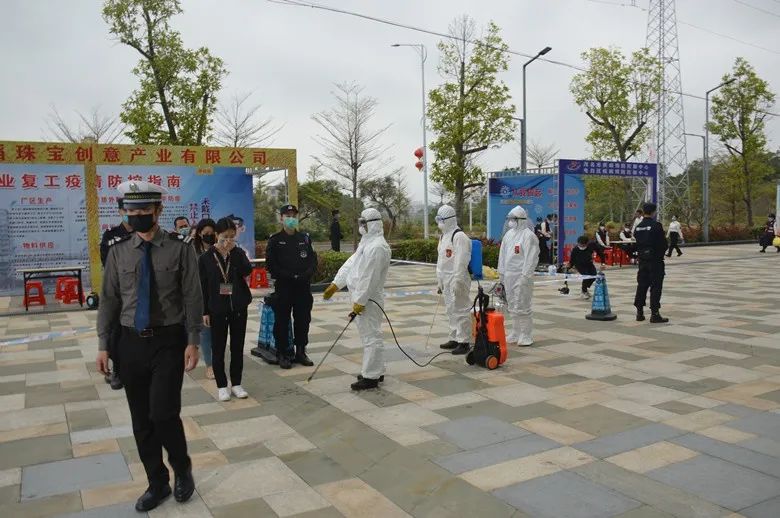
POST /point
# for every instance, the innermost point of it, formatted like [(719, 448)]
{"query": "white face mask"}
[(512, 223), (362, 230)]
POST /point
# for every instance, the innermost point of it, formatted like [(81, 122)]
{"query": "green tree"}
[(472, 110), (739, 113), (388, 194), (618, 96), (176, 96)]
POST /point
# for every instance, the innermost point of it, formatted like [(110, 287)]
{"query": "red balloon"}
[(418, 153), (419, 165)]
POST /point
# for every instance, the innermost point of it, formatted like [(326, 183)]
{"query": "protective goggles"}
[(364, 222), (440, 219)]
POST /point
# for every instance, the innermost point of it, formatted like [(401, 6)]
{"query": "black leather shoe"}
[(365, 384), (152, 498), (381, 378), (303, 360), (463, 348), (183, 486), (640, 315), (656, 318), (115, 382), (285, 362), (452, 344)]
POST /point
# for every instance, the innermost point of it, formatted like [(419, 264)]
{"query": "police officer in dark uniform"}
[(335, 232), (108, 239), (151, 287), (650, 246), (291, 261)]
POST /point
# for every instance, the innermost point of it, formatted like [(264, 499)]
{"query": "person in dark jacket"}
[(335, 232), (768, 236), (204, 237), (651, 248), (582, 261), (110, 236), (291, 261), (226, 296)]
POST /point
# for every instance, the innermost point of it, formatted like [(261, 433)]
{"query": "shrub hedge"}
[(328, 264)]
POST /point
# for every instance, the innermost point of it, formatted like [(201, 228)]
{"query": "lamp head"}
[(545, 51)]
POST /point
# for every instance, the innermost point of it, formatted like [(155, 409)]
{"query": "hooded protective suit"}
[(517, 261), (364, 274), (452, 274)]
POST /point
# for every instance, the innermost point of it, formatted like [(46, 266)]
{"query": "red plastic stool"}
[(61, 286), (71, 293), (258, 278), (38, 298), (608, 257)]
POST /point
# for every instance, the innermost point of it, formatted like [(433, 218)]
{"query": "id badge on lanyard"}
[(225, 287)]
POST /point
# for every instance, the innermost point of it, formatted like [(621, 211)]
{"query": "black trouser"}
[(113, 348), (650, 276), (674, 238), (235, 322), (630, 250), (587, 270), (544, 251), (335, 245), (292, 296), (152, 373)]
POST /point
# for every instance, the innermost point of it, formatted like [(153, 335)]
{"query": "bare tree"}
[(92, 126), (351, 149), (388, 194), (540, 155), (438, 190), (238, 124)]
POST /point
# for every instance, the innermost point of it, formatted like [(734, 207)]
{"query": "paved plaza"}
[(597, 419)]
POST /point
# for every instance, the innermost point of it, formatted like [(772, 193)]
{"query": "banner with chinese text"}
[(43, 216), (538, 195)]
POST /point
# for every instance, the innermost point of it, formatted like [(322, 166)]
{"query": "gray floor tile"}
[(565, 494), (125, 510), (736, 410), (598, 420), (495, 453), (35, 450), (767, 509), (609, 445), (473, 432), (766, 424), (716, 480), (763, 445), (736, 454), (55, 478)]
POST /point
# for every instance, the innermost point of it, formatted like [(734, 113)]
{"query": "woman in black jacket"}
[(226, 296)]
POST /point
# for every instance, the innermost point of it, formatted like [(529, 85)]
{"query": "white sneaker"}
[(585, 295), (224, 394), (239, 392), (526, 342)]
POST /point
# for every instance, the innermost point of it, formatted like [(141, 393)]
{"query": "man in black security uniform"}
[(335, 232), (151, 287), (650, 246), (108, 239), (291, 261)]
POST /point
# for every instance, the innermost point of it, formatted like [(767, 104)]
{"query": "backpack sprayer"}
[(489, 339)]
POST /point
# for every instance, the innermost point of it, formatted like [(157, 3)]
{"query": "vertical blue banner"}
[(538, 195)]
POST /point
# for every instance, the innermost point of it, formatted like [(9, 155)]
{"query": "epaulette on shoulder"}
[(119, 239), (178, 237)]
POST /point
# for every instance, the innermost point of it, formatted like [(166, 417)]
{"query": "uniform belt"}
[(150, 332)]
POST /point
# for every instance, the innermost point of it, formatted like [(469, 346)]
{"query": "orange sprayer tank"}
[(496, 337)]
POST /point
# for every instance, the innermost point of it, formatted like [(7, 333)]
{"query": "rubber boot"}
[(640, 315), (656, 318), (462, 348), (452, 344), (365, 384), (300, 357), (381, 377)]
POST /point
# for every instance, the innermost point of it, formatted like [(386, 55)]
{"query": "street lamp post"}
[(703, 148), (423, 56), (705, 181), (524, 127)]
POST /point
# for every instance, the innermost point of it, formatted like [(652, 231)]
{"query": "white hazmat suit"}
[(364, 274), (453, 276), (517, 261)]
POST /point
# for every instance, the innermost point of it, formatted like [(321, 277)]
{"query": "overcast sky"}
[(61, 53)]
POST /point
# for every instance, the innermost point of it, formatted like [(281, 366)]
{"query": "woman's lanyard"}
[(225, 287)]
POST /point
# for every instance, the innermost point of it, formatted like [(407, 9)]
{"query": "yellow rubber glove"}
[(357, 309), (329, 291)]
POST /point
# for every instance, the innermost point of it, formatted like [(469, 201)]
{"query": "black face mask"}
[(141, 223), (209, 239)]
